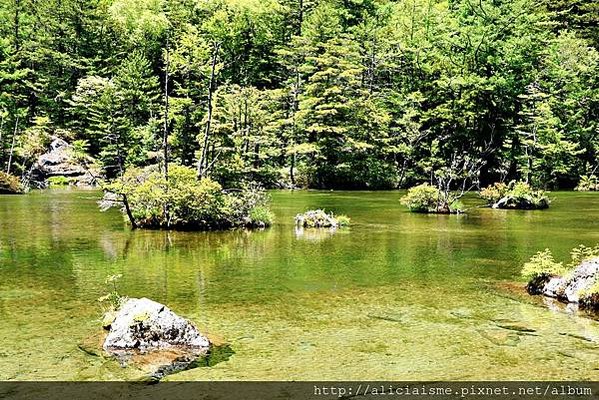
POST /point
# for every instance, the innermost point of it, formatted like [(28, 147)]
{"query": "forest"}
[(350, 94)]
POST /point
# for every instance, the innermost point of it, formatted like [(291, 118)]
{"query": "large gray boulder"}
[(572, 288), (144, 324), (59, 161)]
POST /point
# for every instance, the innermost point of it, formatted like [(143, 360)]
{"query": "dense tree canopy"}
[(331, 93)]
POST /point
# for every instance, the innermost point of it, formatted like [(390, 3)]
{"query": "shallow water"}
[(398, 296)]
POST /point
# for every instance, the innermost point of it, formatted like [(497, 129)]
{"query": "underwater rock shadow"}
[(216, 355), (157, 364)]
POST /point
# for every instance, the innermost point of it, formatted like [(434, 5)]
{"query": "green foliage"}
[(588, 183), (261, 216), (184, 202), (495, 192), (582, 253), (10, 184), (422, 198), (59, 181), (343, 220), (518, 195), (542, 264), (113, 299), (321, 94), (425, 198)]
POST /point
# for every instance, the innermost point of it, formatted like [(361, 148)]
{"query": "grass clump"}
[(515, 195), (425, 198), (186, 203), (321, 219), (10, 184)]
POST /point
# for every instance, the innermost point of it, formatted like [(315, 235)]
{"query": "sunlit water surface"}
[(398, 296)]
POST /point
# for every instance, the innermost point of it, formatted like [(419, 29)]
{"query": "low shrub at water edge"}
[(428, 199), (59, 181), (321, 219), (515, 195), (588, 183), (569, 283), (543, 263), (10, 184), (184, 202)]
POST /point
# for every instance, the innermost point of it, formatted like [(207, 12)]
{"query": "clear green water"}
[(398, 296)]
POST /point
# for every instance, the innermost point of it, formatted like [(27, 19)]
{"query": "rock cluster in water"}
[(521, 203), (573, 288), (319, 219), (143, 324), (60, 161)]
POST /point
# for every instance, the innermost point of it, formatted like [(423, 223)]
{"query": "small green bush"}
[(495, 192), (343, 220), (588, 183), (542, 264), (261, 216), (10, 184), (582, 253), (422, 198), (515, 195), (184, 202), (59, 181), (321, 219), (425, 198)]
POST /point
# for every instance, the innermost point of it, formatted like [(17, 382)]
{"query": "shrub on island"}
[(428, 199), (576, 282), (184, 202), (321, 219), (588, 183), (10, 184), (515, 195)]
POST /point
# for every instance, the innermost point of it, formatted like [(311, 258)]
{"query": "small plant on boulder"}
[(576, 282), (111, 301), (515, 195)]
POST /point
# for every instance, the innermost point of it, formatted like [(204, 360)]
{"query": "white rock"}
[(145, 324)]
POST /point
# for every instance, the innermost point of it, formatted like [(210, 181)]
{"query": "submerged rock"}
[(143, 324), (576, 287), (60, 164)]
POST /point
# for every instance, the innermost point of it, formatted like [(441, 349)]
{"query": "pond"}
[(398, 296)]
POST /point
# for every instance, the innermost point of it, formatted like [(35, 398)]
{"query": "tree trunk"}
[(12, 146), (203, 162), (166, 109), (295, 108), (300, 18), (129, 213), (17, 24), (1, 144)]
